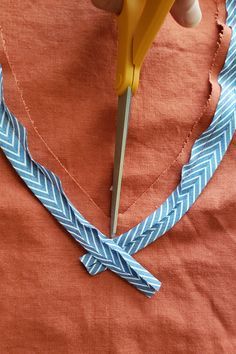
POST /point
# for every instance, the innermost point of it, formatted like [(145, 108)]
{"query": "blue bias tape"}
[(206, 155)]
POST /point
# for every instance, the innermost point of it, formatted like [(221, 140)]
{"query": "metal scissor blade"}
[(124, 102)]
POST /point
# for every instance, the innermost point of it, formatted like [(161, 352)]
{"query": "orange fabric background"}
[(58, 63)]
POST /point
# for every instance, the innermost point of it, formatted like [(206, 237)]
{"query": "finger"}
[(187, 12), (109, 5)]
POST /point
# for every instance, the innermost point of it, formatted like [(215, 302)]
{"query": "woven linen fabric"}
[(43, 303)]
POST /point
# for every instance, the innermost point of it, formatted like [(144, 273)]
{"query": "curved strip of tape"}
[(47, 187), (206, 155)]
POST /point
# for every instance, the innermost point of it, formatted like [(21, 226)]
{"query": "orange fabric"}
[(58, 63)]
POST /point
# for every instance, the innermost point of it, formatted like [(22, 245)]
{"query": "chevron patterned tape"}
[(47, 187), (207, 153)]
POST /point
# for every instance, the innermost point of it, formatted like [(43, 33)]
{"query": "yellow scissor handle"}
[(138, 24)]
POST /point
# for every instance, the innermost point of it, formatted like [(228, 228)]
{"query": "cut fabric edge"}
[(222, 45)]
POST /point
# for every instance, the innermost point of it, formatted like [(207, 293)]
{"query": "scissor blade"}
[(124, 102)]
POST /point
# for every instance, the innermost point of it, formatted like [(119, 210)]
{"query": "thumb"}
[(187, 12)]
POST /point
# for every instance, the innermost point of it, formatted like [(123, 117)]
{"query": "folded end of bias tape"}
[(94, 267), (206, 155)]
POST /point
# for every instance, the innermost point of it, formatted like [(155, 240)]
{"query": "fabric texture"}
[(43, 303)]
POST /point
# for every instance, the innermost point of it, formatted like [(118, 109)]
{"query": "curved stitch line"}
[(207, 106)]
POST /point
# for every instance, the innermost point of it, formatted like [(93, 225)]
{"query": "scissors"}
[(138, 24)]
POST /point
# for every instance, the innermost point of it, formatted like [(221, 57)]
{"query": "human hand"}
[(186, 12)]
